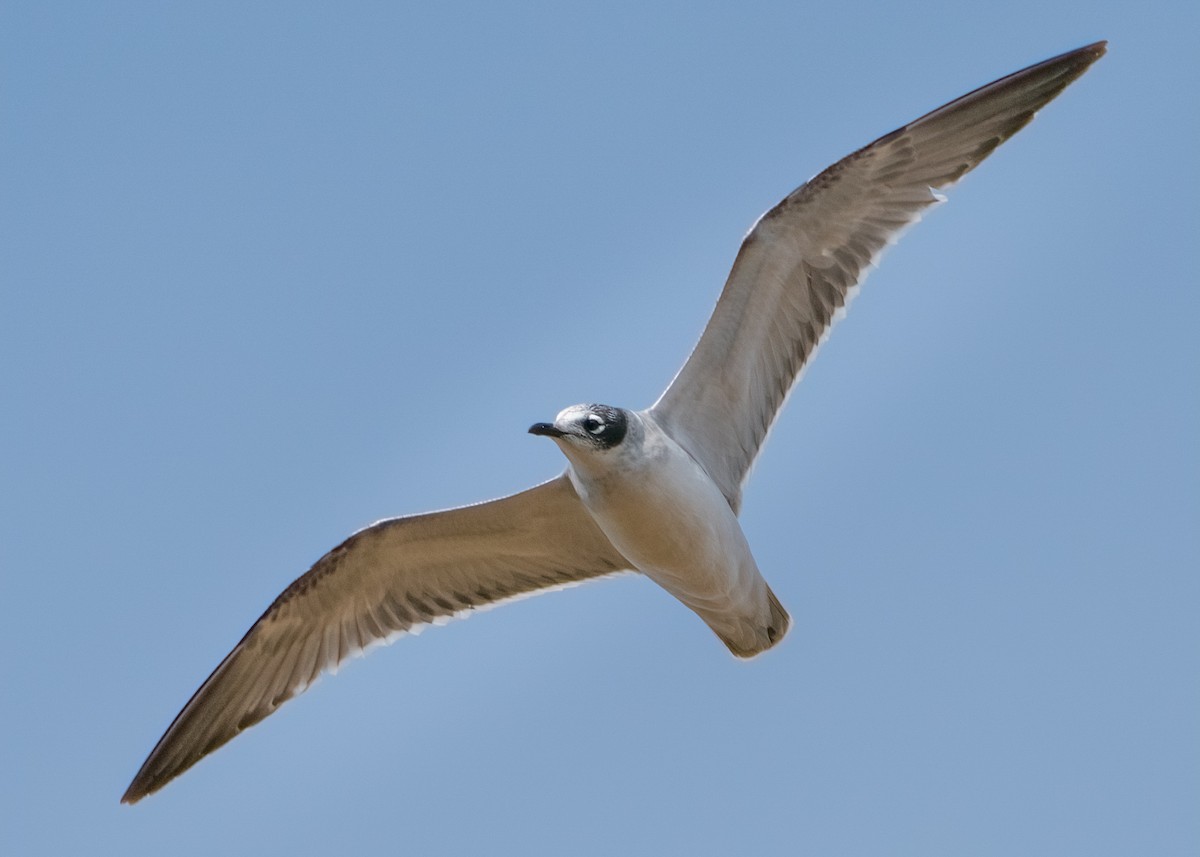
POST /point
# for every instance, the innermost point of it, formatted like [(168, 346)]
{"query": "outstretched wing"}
[(801, 262), (382, 582)]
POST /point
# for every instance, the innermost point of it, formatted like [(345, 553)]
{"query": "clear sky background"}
[(271, 272)]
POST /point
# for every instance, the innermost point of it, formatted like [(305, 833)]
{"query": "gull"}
[(655, 491)]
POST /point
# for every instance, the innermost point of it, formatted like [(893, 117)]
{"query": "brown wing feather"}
[(382, 582)]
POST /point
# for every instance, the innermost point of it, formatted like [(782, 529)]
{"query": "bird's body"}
[(663, 512), (655, 491)]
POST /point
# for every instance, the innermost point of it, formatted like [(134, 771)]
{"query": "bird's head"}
[(586, 428)]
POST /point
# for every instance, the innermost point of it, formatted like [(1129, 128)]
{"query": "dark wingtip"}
[(1090, 53), (1085, 55), (1078, 61), (146, 782)]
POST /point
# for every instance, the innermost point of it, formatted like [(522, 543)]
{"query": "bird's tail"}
[(751, 641)]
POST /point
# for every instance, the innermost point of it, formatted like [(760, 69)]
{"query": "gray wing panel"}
[(801, 263)]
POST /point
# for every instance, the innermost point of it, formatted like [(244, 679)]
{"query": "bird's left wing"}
[(803, 259), (382, 582)]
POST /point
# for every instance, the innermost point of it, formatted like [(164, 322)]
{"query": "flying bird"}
[(655, 491)]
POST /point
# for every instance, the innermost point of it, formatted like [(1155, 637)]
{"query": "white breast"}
[(663, 513)]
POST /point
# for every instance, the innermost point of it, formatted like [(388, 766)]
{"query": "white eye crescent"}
[(593, 424)]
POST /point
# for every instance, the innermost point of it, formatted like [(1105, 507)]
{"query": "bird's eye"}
[(594, 425)]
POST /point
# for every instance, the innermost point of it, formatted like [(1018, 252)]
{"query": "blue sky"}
[(271, 272)]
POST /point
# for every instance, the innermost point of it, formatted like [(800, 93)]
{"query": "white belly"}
[(670, 520)]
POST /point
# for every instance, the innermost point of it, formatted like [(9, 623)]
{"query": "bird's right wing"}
[(382, 582)]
